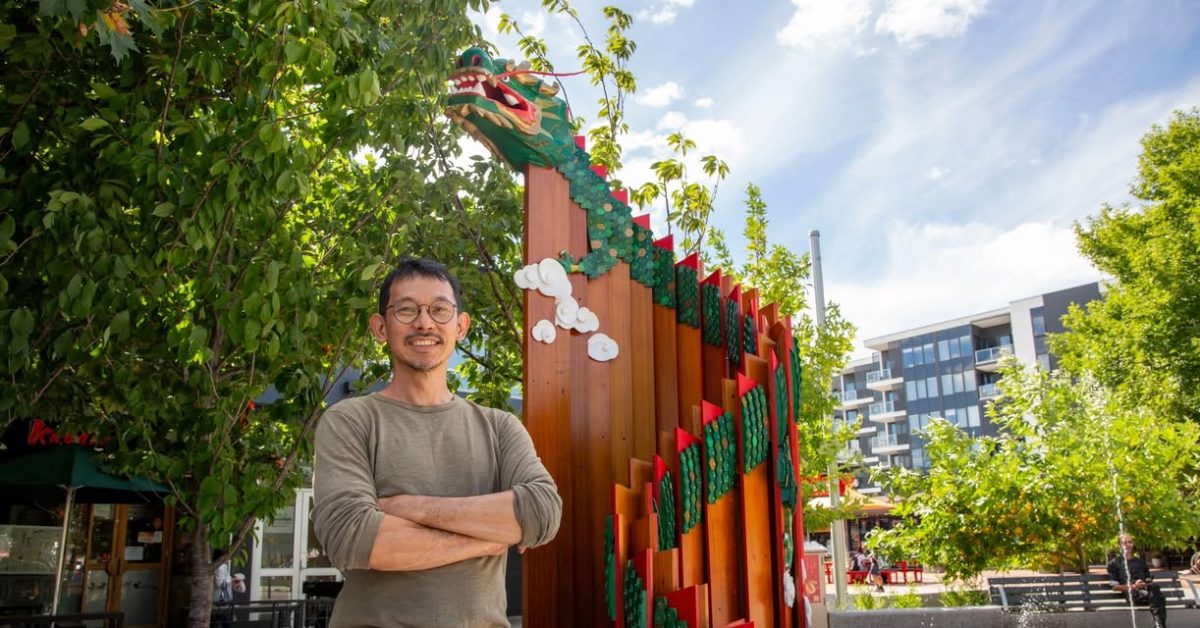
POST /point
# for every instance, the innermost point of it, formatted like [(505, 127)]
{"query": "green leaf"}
[(93, 124), (20, 136), (164, 209)]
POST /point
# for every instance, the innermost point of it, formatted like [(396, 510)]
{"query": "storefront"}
[(115, 549)]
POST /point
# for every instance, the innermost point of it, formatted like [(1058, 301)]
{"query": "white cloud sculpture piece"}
[(601, 348), (544, 331), (550, 278)]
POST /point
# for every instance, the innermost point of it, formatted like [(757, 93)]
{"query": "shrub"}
[(909, 599)]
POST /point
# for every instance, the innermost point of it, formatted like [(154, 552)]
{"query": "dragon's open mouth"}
[(483, 84)]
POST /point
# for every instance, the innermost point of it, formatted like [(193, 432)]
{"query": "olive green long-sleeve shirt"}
[(373, 446)]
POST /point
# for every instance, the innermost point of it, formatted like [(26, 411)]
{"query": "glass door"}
[(125, 567), (289, 554)]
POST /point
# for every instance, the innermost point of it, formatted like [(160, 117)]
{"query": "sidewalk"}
[(932, 584)]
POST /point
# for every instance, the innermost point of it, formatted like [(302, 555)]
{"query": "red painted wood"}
[(548, 570)]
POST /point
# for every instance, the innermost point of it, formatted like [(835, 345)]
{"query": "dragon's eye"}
[(476, 60)]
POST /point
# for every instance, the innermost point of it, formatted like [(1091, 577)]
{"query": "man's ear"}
[(464, 323), (378, 325)]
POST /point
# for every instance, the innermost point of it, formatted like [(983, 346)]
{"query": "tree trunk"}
[(200, 606)]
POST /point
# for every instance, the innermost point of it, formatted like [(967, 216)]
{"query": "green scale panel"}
[(635, 598), (756, 437), (721, 448), (665, 616), (784, 475), (666, 513), (749, 335), (797, 370), (664, 277), (610, 568), (688, 292), (710, 303), (733, 331), (690, 500), (641, 262)]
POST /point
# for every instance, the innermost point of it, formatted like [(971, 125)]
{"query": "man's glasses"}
[(440, 311)]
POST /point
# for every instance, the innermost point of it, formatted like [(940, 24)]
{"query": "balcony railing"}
[(879, 376), (883, 407), (988, 391), (991, 354), (885, 440), (846, 396)]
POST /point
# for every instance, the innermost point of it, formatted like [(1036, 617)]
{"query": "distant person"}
[(874, 576), (858, 562), (1129, 574)]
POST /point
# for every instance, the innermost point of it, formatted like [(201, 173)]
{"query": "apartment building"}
[(946, 369)]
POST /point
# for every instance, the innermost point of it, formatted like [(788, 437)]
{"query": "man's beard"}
[(422, 366)]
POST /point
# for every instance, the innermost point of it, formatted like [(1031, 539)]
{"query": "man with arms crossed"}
[(419, 493)]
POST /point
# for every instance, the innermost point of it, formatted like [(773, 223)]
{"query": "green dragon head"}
[(515, 114)]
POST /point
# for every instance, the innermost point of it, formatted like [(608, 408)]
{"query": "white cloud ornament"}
[(601, 348), (544, 331), (566, 311), (586, 321), (554, 278)]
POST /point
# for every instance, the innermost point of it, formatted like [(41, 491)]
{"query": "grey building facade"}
[(946, 369)]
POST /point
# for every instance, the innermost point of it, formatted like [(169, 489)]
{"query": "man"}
[(419, 493), (1128, 574)]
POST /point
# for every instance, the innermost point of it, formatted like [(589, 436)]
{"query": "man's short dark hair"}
[(412, 267)]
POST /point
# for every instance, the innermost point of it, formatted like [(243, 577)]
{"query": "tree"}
[(780, 274), (1069, 465), (197, 201), (1141, 339)]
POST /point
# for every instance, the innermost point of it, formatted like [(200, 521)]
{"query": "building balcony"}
[(988, 391), (883, 380), (850, 399), (885, 412), (867, 429), (869, 460), (887, 444), (988, 360)]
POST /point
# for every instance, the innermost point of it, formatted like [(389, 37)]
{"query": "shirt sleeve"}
[(535, 495), (346, 513), (1114, 573)]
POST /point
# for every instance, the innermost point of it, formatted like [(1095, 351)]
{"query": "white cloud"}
[(666, 12), (660, 95), (935, 173), (832, 23), (935, 272), (671, 121), (703, 103), (665, 15), (533, 24), (911, 22)]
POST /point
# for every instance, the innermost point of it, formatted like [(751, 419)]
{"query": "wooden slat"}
[(642, 371), (666, 380), (780, 332), (548, 599), (759, 505), (692, 548), (725, 554), (616, 288)]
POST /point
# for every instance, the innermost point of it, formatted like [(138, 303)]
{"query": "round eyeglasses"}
[(441, 312)]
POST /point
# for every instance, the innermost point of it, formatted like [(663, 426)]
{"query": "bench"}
[(1080, 592)]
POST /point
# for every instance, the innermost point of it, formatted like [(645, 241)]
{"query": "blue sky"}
[(943, 148)]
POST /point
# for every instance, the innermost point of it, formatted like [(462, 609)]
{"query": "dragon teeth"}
[(508, 98)]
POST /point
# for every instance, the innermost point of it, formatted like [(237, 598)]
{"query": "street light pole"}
[(836, 529)]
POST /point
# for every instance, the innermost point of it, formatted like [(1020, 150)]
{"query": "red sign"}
[(42, 434), (819, 486)]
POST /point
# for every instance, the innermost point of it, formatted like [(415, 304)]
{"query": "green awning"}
[(45, 475)]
